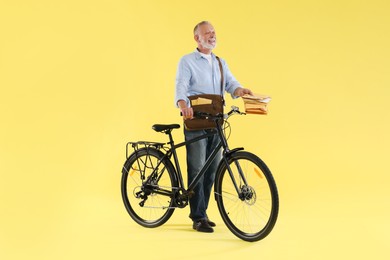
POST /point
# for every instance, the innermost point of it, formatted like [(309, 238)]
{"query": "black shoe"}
[(202, 226), (211, 224)]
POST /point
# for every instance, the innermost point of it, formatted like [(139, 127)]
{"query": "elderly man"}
[(199, 73)]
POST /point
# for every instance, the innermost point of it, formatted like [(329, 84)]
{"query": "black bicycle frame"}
[(226, 152), (172, 151), (225, 157)]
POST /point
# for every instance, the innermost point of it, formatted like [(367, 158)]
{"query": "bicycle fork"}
[(243, 191)]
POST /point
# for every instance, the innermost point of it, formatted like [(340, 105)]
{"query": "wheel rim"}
[(250, 214)]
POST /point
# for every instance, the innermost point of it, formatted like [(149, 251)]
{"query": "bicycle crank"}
[(182, 197)]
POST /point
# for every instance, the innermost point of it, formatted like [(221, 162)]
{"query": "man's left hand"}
[(239, 92)]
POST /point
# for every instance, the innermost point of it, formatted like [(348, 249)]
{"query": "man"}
[(199, 73)]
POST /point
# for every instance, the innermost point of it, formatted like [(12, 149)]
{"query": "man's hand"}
[(186, 111), (239, 92)]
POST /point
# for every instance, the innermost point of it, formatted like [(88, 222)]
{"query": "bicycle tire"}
[(253, 216), (157, 208)]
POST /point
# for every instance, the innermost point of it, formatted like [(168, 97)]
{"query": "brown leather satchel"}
[(209, 103)]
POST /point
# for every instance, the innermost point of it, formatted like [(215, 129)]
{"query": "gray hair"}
[(196, 29)]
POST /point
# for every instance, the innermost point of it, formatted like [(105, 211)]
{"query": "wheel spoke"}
[(140, 181), (251, 214)]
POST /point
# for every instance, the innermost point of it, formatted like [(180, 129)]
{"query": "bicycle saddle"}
[(160, 128)]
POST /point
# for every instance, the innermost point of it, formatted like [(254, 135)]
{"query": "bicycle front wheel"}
[(247, 196), (148, 182)]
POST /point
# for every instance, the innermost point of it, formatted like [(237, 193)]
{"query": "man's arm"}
[(232, 85), (183, 76), (182, 82)]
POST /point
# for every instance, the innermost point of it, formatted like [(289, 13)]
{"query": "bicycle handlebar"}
[(203, 115), (234, 110)]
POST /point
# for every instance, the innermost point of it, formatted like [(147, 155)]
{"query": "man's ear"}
[(196, 37)]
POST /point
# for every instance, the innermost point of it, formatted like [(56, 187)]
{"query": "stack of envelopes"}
[(256, 104)]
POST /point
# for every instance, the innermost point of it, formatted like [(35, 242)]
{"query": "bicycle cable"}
[(226, 126)]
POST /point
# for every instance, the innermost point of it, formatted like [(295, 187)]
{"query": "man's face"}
[(206, 36)]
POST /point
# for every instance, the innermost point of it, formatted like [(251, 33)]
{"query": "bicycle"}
[(152, 185)]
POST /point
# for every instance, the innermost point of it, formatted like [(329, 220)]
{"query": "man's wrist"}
[(182, 104), (237, 92)]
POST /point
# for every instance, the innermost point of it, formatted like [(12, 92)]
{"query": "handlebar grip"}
[(198, 114), (204, 115)]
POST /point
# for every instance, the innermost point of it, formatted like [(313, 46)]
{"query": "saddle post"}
[(167, 129), (169, 133)]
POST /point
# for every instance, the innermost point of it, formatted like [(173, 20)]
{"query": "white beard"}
[(207, 45)]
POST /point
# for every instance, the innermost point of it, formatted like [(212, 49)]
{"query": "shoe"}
[(211, 224), (202, 226)]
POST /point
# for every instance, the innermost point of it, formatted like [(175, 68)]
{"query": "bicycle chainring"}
[(182, 197)]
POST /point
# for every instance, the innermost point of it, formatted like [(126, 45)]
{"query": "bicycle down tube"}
[(223, 143)]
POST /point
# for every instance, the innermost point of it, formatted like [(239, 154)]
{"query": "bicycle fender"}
[(229, 153)]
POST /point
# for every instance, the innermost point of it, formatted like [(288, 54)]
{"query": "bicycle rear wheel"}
[(251, 212), (147, 183)]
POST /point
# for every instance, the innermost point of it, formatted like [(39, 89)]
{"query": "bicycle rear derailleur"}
[(142, 194)]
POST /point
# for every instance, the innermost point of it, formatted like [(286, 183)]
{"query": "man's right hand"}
[(186, 111)]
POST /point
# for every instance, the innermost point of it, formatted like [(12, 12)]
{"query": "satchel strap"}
[(221, 70)]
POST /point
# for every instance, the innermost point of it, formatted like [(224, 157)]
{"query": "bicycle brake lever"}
[(234, 108)]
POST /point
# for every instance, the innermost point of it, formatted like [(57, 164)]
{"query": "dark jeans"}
[(197, 154)]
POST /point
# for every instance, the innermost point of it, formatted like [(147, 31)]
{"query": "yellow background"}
[(79, 79)]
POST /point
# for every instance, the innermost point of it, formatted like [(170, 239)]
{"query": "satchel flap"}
[(208, 103), (201, 101)]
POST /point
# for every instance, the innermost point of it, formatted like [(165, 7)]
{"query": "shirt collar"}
[(198, 56)]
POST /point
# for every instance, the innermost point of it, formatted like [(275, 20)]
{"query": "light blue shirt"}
[(196, 76)]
